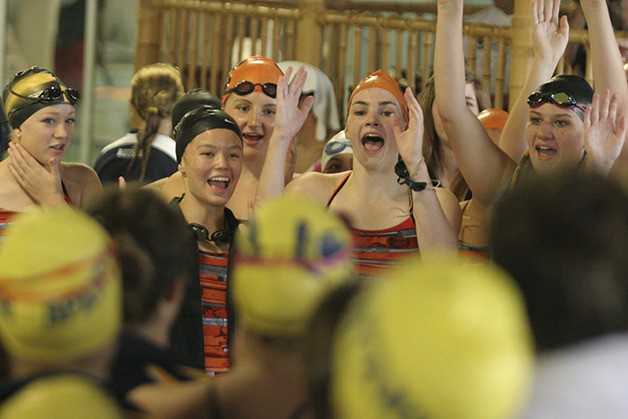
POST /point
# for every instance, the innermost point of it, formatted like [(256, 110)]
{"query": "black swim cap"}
[(193, 99), (198, 120), (575, 86)]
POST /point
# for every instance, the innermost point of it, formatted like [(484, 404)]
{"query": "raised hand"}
[(549, 33), (410, 139), (289, 117), (604, 132), (41, 183)]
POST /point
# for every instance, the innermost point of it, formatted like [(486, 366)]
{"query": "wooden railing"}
[(206, 38)]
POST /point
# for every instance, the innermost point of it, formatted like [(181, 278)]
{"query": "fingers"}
[(121, 182), (555, 10), (547, 11), (535, 5)]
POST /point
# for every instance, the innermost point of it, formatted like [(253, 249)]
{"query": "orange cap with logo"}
[(381, 80), (257, 70)]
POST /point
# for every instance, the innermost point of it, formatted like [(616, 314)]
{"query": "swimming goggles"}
[(52, 94), (336, 147), (560, 99), (245, 87)]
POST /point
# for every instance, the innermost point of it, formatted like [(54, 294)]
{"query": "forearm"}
[(513, 140), (433, 228), (272, 177), (480, 161), (608, 72)]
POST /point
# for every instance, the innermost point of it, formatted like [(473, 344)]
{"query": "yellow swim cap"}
[(59, 286), (291, 253), (60, 396), (434, 340)]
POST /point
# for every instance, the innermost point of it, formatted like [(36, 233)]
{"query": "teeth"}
[(219, 179)]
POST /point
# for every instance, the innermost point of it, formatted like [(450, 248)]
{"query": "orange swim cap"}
[(493, 118), (381, 80), (257, 70)]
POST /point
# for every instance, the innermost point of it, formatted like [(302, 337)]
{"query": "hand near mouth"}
[(410, 140), (41, 183)]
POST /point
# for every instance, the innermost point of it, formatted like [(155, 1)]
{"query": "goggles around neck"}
[(560, 99), (245, 87)]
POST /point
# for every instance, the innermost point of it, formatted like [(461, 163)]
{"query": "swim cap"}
[(292, 252), (493, 118), (198, 120), (60, 396), (338, 144), (381, 80), (60, 295), (257, 70), (574, 86), (325, 108), (436, 340), (33, 89), (193, 99)]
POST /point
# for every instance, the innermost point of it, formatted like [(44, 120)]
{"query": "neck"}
[(211, 217)]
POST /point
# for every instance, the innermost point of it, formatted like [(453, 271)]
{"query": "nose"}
[(545, 130), (372, 117), (254, 118), (220, 160), (61, 131)]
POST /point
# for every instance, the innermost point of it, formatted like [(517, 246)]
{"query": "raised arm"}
[(549, 38), (484, 166), (608, 72), (288, 121)]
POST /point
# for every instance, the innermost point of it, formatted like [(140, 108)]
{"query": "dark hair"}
[(564, 237), (155, 246), (318, 344)]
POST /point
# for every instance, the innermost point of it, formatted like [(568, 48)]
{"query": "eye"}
[(234, 155), (535, 120), (208, 153), (269, 112), (387, 113), (48, 121), (70, 121), (359, 112), (243, 108), (561, 123)]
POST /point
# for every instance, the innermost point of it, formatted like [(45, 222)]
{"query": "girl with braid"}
[(148, 153)]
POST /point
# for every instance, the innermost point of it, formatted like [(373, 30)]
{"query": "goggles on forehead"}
[(245, 87), (560, 99), (49, 95)]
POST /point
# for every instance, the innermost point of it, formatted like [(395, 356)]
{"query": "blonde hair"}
[(154, 90)]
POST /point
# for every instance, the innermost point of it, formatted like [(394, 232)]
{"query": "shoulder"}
[(318, 186), (130, 139), (168, 187), (81, 182)]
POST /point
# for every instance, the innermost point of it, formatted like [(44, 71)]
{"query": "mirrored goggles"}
[(560, 99), (52, 94), (245, 87)]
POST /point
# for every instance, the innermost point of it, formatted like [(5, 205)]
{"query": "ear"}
[(17, 134), (182, 168)]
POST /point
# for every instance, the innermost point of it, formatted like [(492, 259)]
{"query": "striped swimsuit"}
[(375, 250)]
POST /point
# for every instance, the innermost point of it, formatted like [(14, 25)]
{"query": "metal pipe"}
[(87, 98)]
